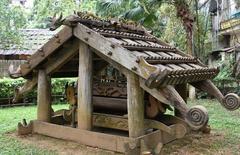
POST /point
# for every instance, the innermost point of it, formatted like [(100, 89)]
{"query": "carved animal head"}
[(70, 94), (14, 73), (56, 22)]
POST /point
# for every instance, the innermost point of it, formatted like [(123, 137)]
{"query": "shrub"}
[(7, 86)]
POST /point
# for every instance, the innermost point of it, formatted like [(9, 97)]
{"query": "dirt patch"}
[(61, 147), (192, 144), (214, 143)]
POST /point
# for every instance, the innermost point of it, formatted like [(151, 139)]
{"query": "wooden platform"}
[(107, 140)]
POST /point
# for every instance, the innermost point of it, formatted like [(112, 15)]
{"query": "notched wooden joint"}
[(59, 41), (134, 68), (109, 53), (138, 61), (86, 39), (113, 46), (89, 32), (28, 66), (24, 128), (41, 52)]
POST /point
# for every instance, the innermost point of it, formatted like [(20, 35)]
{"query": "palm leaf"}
[(135, 13)]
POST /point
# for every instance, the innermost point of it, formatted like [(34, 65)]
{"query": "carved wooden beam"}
[(54, 43), (230, 101), (14, 73), (154, 92), (196, 116), (110, 50), (27, 87), (121, 123), (62, 56)]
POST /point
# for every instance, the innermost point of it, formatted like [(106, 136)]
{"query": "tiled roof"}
[(32, 39)]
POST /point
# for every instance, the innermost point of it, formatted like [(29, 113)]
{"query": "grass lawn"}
[(9, 117), (223, 123)]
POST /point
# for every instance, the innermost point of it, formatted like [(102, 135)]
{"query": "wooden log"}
[(43, 97), (90, 138), (154, 92), (118, 54), (175, 99), (85, 106), (101, 140), (62, 56), (231, 101), (196, 117), (46, 50), (135, 106), (182, 90), (210, 88)]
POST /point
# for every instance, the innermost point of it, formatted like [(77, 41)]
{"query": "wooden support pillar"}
[(85, 106), (43, 97), (135, 103)]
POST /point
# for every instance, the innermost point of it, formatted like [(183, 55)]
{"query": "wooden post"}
[(192, 92), (135, 102), (43, 97), (85, 106)]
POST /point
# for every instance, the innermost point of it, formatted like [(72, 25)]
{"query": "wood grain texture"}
[(90, 138), (62, 56), (103, 46), (48, 48), (182, 90), (135, 106), (175, 99), (43, 97), (154, 92), (210, 88), (85, 106)]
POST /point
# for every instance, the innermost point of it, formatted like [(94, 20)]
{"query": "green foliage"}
[(141, 11), (58, 85), (43, 10), (173, 32), (225, 72), (225, 79), (11, 20), (7, 86), (160, 17)]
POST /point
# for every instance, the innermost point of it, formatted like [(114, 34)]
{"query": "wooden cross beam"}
[(61, 37), (62, 56)]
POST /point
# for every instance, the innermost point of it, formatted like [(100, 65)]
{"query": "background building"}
[(32, 39)]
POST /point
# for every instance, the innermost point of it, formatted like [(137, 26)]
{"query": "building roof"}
[(127, 46), (32, 39)]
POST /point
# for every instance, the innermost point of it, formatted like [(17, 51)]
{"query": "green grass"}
[(226, 123), (9, 117), (221, 121)]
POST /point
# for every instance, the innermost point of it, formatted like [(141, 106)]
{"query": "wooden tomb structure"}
[(124, 113)]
